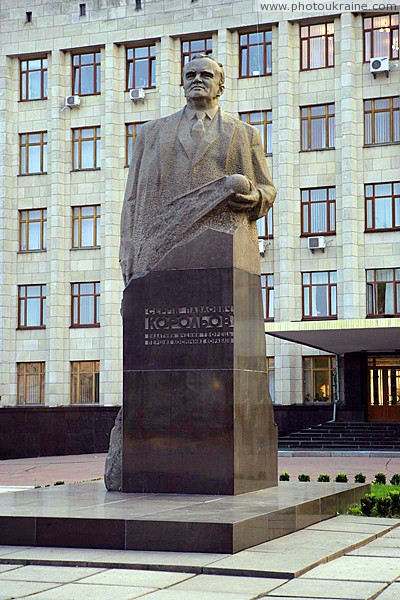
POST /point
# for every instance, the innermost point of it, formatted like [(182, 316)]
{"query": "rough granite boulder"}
[(113, 467)]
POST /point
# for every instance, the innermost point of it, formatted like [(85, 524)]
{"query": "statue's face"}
[(202, 79)]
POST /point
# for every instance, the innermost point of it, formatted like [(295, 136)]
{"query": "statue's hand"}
[(246, 196)]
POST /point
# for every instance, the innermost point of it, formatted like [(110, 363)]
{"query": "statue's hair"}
[(222, 72)]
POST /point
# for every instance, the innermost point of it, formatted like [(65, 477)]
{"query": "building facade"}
[(331, 133)]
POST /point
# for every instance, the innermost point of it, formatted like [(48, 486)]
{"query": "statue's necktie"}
[(198, 129)]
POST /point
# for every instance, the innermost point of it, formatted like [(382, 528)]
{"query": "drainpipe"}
[(336, 397)]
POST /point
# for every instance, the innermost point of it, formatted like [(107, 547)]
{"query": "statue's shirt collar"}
[(192, 114)]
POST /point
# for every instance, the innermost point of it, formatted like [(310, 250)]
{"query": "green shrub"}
[(355, 511), (304, 477), (395, 479), (341, 478), (59, 483), (368, 504), (36, 487), (323, 477), (395, 503), (383, 507), (380, 478), (360, 478), (284, 476)]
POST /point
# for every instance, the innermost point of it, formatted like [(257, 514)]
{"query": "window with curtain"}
[(382, 121), (382, 206), (318, 211), (267, 290), (85, 382), (381, 36), (30, 383), (383, 292), (86, 148), (131, 132), (31, 306), (261, 120), (271, 376), (85, 304), (319, 378), (317, 127), (86, 78), (319, 295), (141, 67), (33, 153), (317, 46), (255, 53), (33, 79), (32, 230), (86, 226)]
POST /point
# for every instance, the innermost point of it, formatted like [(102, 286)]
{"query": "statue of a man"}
[(180, 153)]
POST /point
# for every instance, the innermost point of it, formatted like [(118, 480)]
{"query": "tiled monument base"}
[(87, 516)]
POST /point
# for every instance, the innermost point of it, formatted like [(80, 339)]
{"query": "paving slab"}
[(369, 550), (20, 589), (356, 524), (153, 579), (332, 590), (183, 595), (77, 591), (5, 568), (225, 584), (391, 593), (356, 568), (47, 574)]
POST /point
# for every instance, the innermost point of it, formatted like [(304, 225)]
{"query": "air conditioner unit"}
[(379, 65), (72, 102), (316, 243), (137, 95)]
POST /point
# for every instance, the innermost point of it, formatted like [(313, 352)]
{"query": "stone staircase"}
[(344, 436)]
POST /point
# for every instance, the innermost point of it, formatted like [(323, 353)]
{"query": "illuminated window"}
[(85, 382), (319, 373), (30, 383), (381, 36)]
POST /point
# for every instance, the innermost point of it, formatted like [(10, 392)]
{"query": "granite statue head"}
[(203, 80)]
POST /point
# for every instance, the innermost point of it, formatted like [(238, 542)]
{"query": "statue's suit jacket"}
[(167, 163)]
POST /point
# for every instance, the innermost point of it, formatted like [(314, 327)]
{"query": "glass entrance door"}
[(384, 388)]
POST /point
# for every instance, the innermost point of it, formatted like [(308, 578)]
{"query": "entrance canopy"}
[(341, 336)]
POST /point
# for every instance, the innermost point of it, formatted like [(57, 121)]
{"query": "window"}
[(82, 10), (255, 54), (271, 377), (85, 226), (319, 295), (382, 121), (262, 120), (317, 127), (318, 211), (85, 304), (265, 226), (132, 130), (30, 383), (32, 230), (382, 206), (317, 50), (141, 67), (85, 382), (33, 153), (319, 374), (383, 292), (86, 79), (381, 36), (267, 290), (33, 79), (31, 306), (86, 148), (190, 48)]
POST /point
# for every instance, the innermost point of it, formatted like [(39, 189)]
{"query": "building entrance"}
[(384, 388)]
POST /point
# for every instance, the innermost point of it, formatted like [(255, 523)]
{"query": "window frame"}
[(371, 29), (313, 369), (190, 53), (42, 70), (396, 299), (78, 384), (96, 80), (266, 124), (265, 43), (43, 152), (372, 198), (310, 118), (391, 110), (309, 286), (79, 218), (96, 155), (268, 225), (43, 229), (24, 310), (270, 368), (96, 304), (330, 204), (132, 136), (269, 288), (150, 58), (309, 37), (41, 375)]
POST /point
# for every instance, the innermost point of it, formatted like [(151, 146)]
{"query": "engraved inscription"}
[(188, 325)]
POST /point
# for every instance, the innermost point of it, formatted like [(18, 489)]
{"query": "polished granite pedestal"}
[(87, 516)]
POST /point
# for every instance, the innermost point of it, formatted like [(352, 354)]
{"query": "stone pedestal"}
[(198, 418)]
